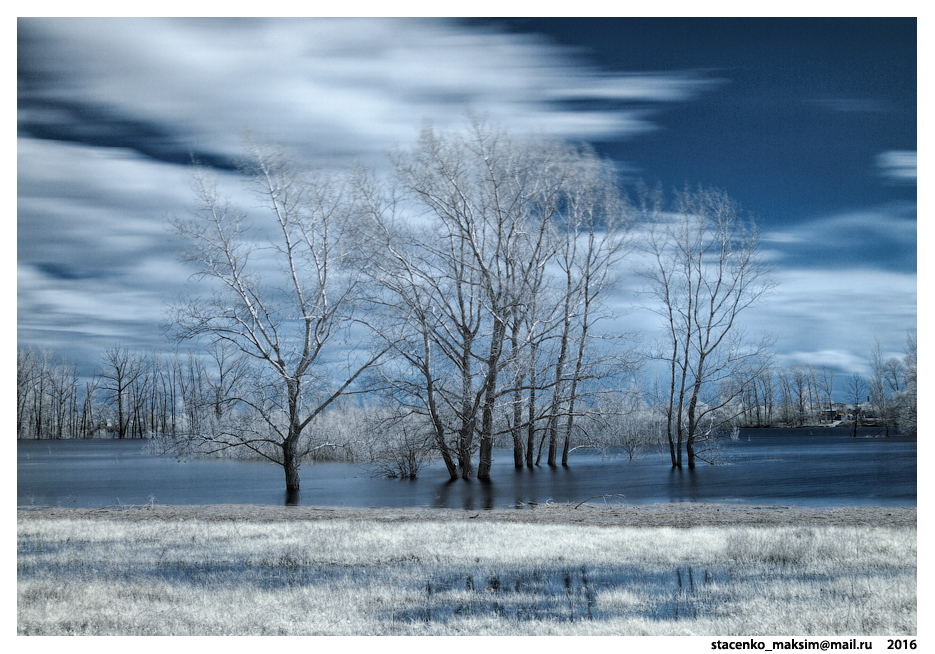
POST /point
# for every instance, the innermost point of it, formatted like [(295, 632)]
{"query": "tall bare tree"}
[(907, 395), (596, 222), (704, 272), (286, 294), (825, 381), (28, 372), (881, 393)]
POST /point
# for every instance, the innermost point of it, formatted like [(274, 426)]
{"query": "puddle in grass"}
[(567, 595)]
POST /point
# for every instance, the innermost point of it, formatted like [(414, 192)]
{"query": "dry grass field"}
[(712, 570)]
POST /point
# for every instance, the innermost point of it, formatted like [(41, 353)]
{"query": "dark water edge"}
[(790, 467)]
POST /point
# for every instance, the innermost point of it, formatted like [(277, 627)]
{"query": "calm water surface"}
[(820, 467)]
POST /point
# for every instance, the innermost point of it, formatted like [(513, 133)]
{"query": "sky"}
[(810, 124)]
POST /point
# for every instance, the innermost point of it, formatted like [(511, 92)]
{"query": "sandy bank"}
[(657, 515)]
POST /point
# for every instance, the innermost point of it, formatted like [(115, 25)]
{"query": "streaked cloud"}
[(832, 318), (868, 238), (336, 87), (898, 166)]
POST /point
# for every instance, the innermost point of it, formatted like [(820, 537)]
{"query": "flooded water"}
[(819, 467)]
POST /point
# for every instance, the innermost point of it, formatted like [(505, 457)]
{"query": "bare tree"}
[(752, 393), (90, 420), (434, 307), (296, 324), (28, 371), (825, 381), (763, 383), (120, 369), (800, 375), (226, 377), (597, 221), (907, 395), (46, 396), (705, 272), (881, 393), (855, 389)]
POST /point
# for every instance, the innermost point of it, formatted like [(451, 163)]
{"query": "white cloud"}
[(93, 208), (898, 166), (831, 316)]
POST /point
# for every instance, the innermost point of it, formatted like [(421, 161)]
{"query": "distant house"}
[(839, 411)]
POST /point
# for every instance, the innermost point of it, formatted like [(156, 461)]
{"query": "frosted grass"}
[(349, 577)]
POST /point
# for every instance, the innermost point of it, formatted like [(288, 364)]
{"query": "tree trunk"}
[(449, 462), (290, 464), (485, 458), (553, 439), (678, 444), (530, 440), (531, 426), (121, 425), (517, 427), (517, 431), (440, 441), (468, 416), (465, 439), (437, 423), (692, 423), (490, 395)]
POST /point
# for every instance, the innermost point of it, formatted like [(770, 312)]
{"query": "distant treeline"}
[(173, 396), (802, 395)]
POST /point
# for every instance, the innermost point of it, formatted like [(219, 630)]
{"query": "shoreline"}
[(680, 515)]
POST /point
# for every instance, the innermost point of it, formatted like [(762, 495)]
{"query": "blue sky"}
[(809, 123)]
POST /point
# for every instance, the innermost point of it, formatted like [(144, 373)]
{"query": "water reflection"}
[(511, 487), (684, 485), (469, 494)]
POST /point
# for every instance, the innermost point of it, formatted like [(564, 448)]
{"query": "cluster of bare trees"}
[(796, 396), (490, 295), (47, 404), (130, 395), (467, 290), (891, 388), (704, 271), (802, 395)]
